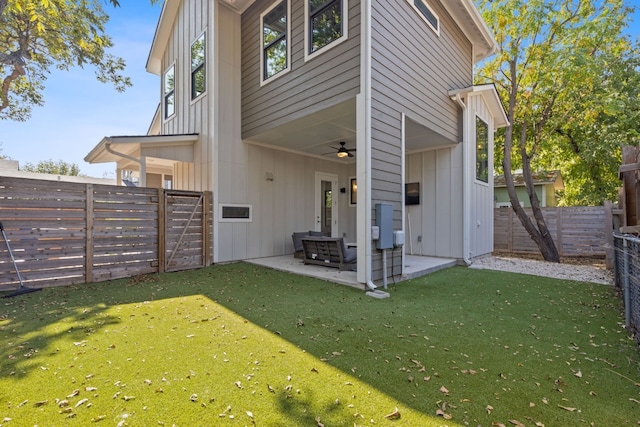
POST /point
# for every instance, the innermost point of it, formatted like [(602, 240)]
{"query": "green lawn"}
[(241, 345)]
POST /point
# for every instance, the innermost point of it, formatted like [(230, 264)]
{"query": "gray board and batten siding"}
[(413, 68), (323, 81)]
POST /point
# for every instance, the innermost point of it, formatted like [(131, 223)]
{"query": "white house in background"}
[(259, 96)]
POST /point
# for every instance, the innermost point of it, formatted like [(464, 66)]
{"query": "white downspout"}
[(141, 161), (465, 176), (364, 143)]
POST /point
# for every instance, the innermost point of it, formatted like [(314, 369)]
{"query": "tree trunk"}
[(539, 231)]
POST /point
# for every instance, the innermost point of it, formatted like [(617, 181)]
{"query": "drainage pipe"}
[(465, 177), (141, 162)]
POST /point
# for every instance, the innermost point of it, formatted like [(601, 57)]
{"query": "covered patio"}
[(414, 266)]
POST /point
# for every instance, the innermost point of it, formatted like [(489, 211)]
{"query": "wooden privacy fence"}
[(65, 233), (577, 231)]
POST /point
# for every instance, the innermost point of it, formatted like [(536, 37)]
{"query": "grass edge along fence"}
[(627, 278), (64, 233)]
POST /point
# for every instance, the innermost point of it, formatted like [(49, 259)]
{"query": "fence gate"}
[(185, 230)]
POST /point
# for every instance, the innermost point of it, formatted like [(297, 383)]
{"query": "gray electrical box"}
[(384, 221)]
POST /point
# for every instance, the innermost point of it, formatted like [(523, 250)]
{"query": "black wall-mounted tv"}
[(412, 193)]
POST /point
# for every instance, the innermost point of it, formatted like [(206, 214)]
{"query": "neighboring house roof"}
[(11, 168), (539, 178), (490, 95), (463, 12)]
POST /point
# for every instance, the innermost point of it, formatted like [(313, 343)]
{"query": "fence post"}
[(88, 257), (608, 234), (559, 230), (627, 299), (162, 237)]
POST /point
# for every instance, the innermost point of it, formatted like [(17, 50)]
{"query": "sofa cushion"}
[(297, 240), (316, 233)]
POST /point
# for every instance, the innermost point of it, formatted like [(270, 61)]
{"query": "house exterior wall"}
[(413, 68), (310, 86), (433, 228), (190, 116), (481, 193), (502, 196)]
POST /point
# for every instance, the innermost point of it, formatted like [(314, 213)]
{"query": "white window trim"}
[(240, 205), (345, 32), (264, 81), (424, 18), (166, 118), (206, 67)]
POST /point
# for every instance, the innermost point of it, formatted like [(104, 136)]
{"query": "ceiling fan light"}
[(342, 153)]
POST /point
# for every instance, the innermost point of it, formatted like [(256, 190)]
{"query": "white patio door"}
[(327, 203)]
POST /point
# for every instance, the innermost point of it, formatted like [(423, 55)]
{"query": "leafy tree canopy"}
[(53, 167), (561, 72), (38, 35), (569, 77)]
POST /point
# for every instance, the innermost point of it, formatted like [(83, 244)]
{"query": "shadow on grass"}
[(484, 346)]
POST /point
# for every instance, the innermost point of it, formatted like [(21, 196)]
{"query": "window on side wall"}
[(275, 40), (198, 71), (326, 23), (426, 13), (482, 150), (169, 92)]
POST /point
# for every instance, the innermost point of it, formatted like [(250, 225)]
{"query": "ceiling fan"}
[(343, 151)]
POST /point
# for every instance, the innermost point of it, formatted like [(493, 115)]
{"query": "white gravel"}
[(582, 273)]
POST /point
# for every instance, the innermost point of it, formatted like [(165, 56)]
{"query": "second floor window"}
[(326, 23), (169, 92), (275, 40), (198, 74), (482, 150)]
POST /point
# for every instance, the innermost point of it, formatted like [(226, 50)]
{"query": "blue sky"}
[(79, 111)]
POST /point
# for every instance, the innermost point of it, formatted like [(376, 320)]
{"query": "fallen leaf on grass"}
[(578, 374), (494, 424), (41, 403), (444, 390), (394, 415), (516, 423), (98, 418), (443, 414), (489, 409), (22, 403), (81, 402), (566, 408)]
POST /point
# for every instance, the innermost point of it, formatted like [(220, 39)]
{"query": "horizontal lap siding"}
[(412, 71), (328, 79)]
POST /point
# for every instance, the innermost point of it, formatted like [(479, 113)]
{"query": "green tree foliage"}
[(38, 35), (554, 55), (53, 167)]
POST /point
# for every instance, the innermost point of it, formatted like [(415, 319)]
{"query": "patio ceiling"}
[(319, 134)]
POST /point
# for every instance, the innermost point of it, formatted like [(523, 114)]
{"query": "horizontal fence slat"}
[(46, 224), (581, 231)]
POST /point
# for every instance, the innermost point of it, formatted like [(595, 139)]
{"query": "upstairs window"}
[(326, 23), (427, 14), (482, 150), (275, 40), (169, 92), (198, 74)]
